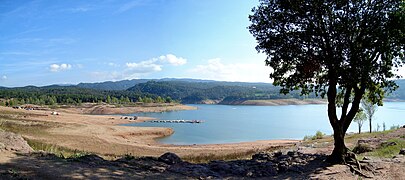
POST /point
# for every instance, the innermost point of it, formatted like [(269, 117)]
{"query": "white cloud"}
[(78, 9), (243, 72), (153, 65), (113, 64), (59, 67), (173, 60), (4, 77), (130, 5), (144, 67)]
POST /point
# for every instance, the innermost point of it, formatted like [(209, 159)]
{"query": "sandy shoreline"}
[(102, 134)]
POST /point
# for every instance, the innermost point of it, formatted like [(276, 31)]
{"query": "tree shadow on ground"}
[(292, 165)]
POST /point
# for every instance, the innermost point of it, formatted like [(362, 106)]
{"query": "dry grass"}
[(205, 158), (60, 151), (26, 127)]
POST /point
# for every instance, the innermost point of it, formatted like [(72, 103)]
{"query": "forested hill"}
[(163, 90), (223, 92), (400, 92), (109, 85), (125, 84), (226, 92)]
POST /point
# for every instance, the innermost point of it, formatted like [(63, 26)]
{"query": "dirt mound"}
[(13, 142)]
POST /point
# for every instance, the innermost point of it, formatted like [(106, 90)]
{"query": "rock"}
[(170, 158), (292, 153), (90, 159), (402, 151), (282, 166), (403, 126), (220, 166), (261, 157), (193, 170), (296, 168), (387, 144), (2, 146), (366, 158), (284, 158), (277, 154), (14, 142), (362, 148), (158, 169)]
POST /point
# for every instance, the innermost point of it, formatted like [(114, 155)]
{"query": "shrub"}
[(362, 148), (393, 127), (318, 135)]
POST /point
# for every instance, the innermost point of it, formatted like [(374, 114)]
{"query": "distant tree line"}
[(74, 96), (195, 92)]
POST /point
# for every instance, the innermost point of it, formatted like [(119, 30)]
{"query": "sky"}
[(45, 42)]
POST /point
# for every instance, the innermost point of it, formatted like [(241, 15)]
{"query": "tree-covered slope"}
[(195, 92), (110, 85)]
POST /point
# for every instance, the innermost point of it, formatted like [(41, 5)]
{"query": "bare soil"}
[(99, 109)]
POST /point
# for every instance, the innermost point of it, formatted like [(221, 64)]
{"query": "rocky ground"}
[(304, 161)]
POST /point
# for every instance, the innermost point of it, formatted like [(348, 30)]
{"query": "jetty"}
[(177, 121)]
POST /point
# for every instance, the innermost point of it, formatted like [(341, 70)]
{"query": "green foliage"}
[(195, 92), (318, 135), (360, 118), (394, 127), (53, 95), (334, 48), (319, 41), (389, 151)]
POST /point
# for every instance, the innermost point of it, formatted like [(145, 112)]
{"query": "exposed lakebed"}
[(231, 124)]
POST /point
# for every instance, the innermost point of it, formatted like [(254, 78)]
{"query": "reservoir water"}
[(230, 124)]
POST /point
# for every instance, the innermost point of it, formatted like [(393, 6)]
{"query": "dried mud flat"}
[(98, 109)]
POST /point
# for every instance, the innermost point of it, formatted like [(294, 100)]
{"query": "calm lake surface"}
[(230, 124)]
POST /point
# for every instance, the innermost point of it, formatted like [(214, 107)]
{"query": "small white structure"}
[(54, 113)]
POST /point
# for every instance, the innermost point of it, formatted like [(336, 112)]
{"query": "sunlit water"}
[(229, 124)]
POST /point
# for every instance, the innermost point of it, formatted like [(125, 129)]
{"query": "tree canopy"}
[(335, 48)]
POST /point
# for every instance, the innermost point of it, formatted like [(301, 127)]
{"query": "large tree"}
[(337, 48)]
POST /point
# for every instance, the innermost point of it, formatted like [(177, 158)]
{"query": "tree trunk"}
[(340, 150), (369, 120), (359, 129)]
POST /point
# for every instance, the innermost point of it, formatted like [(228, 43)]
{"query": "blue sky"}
[(57, 42)]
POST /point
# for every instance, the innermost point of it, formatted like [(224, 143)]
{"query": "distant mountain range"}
[(126, 84), (183, 90)]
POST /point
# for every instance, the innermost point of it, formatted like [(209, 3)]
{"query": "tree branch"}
[(358, 95), (332, 101), (346, 102)]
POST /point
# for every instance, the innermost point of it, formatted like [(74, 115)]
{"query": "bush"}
[(393, 127), (362, 148), (318, 135)]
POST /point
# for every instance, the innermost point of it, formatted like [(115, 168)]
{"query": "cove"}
[(232, 124)]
